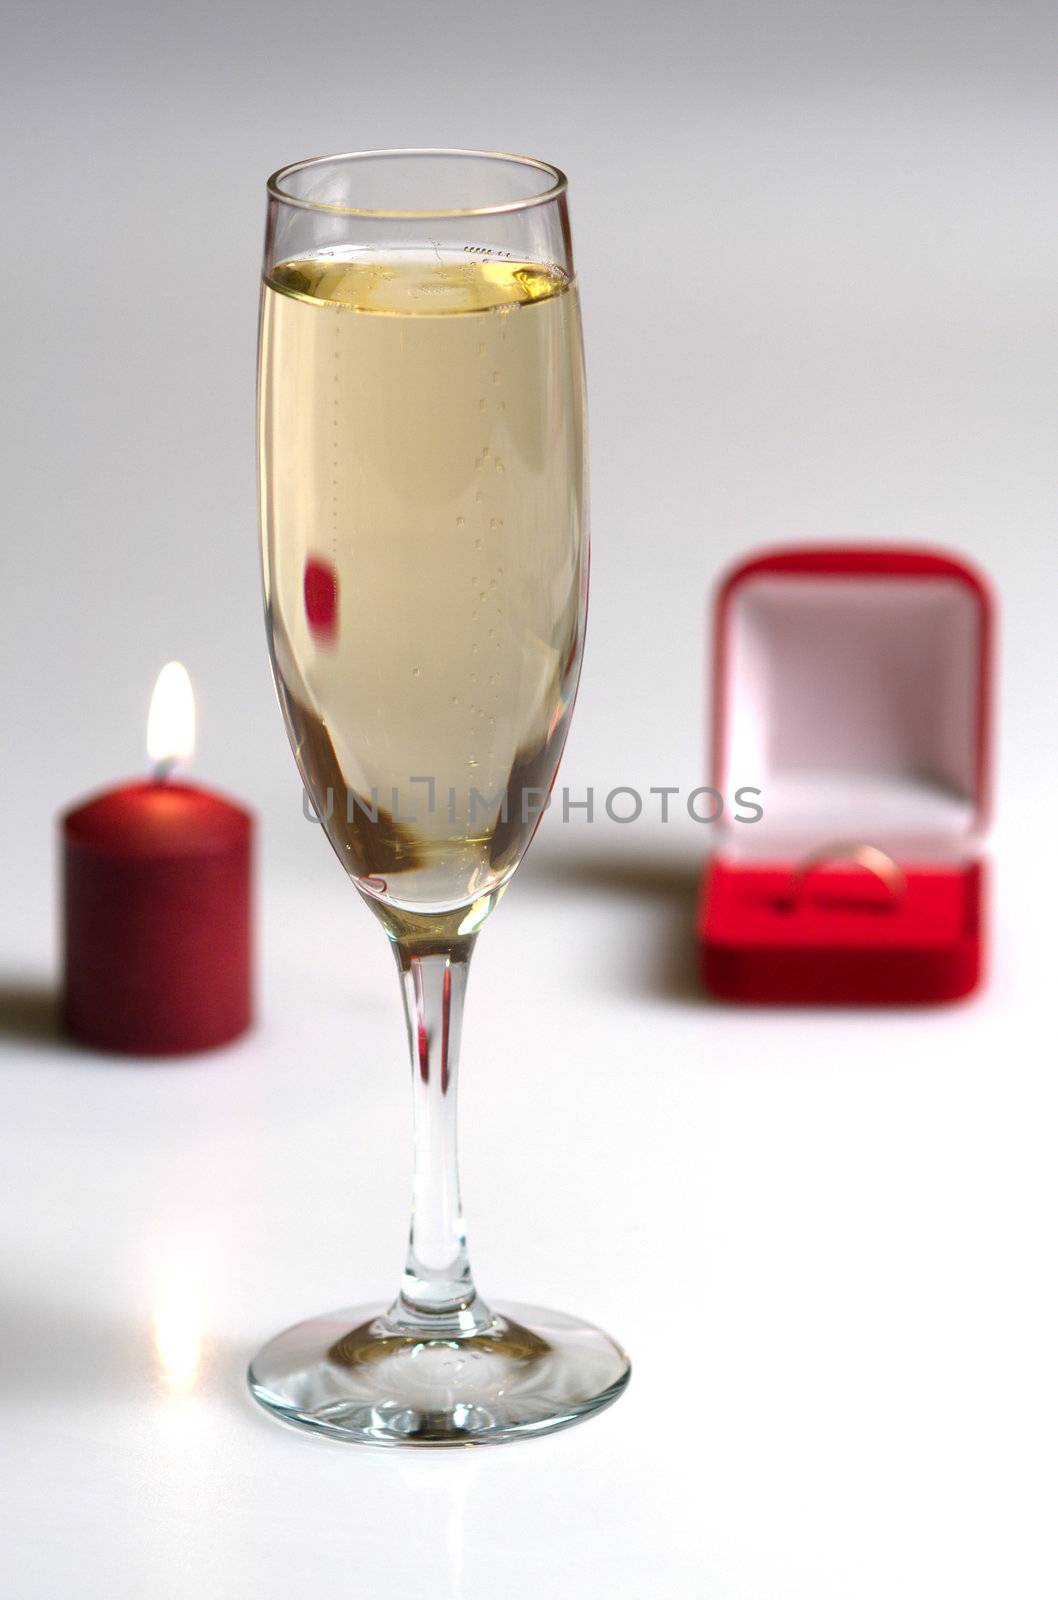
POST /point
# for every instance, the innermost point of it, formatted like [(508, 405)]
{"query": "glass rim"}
[(557, 187)]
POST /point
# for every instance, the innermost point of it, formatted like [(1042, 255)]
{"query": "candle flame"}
[(171, 721)]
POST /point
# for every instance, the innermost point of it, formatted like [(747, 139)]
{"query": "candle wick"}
[(163, 770)]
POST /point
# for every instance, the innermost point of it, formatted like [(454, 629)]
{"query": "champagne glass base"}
[(357, 1375)]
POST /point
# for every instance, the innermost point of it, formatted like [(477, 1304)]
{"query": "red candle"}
[(157, 937)]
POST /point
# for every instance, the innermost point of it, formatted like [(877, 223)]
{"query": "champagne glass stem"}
[(437, 1294)]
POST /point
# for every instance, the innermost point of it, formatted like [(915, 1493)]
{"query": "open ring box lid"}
[(852, 689)]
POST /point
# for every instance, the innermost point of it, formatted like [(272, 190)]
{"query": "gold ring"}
[(877, 862)]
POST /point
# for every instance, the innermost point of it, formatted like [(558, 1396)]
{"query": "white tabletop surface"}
[(819, 254), (825, 1240)]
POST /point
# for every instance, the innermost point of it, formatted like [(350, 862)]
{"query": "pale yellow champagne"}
[(425, 556)]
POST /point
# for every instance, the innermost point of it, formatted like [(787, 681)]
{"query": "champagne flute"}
[(425, 555)]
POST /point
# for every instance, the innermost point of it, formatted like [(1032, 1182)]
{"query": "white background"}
[(819, 253)]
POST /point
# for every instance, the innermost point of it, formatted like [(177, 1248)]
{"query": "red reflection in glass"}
[(321, 599)]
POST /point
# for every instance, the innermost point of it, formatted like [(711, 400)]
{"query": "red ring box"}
[(851, 687)]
